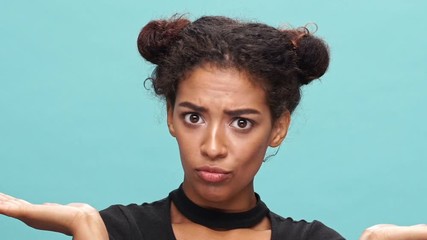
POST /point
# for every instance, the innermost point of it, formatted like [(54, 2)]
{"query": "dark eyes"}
[(238, 123), (193, 118), (241, 123)]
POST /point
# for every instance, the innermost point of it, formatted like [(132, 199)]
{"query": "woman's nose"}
[(214, 145)]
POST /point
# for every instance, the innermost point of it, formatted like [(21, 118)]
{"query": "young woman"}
[(230, 88)]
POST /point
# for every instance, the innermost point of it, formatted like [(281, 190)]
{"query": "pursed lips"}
[(213, 174)]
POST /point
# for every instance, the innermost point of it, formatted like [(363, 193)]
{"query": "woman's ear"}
[(170, 119), (280, 129)]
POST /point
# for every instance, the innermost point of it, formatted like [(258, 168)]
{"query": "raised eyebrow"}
[(244, 111), (192, 106)]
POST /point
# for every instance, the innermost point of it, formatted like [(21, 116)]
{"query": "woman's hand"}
[(80, 220), (393, 232)]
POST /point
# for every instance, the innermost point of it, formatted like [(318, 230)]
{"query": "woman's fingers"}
[(418, 232), (393, 232), (48, 216), (11, 206), (4, 198), (77, 219)]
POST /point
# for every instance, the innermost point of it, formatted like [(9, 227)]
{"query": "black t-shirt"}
[(152, 221)]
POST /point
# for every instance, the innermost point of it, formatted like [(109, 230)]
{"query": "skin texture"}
[(231, 130), (221, 120), (77, 219), (394, 232)]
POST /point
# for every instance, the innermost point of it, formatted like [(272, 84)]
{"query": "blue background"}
[(77, 125)]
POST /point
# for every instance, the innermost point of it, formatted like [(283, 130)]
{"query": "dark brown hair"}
[(281, 60)]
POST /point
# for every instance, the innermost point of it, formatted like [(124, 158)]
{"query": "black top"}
[(152, 221)]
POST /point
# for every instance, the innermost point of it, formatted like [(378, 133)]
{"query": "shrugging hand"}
[(393, 232), (79, 220)]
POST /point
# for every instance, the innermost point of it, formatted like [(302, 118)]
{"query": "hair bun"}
[(157, 36), (312, 54)]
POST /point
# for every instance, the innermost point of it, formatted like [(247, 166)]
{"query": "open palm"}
[(76, 219)]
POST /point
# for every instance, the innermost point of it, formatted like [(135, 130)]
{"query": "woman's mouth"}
[(213, 174)]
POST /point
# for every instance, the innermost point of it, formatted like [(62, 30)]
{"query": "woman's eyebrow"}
[(236, 112), (192, 106), (242, 111)]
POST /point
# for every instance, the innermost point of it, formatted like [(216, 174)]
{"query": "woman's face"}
[(223, 126)]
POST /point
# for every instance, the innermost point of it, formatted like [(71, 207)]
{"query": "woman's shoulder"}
[(288, 228), (151, 210), (136, 220)]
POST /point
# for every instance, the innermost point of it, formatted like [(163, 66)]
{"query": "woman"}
[(230, 88)]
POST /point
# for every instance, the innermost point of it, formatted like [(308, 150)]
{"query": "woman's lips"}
[(213, 174)]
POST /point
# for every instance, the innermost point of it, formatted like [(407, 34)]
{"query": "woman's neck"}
[(216, 198), (178, 218), (184, 210)]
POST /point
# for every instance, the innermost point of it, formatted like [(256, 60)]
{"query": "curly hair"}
[(281, 60)]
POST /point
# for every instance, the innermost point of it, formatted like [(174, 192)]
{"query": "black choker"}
[(215, 219)]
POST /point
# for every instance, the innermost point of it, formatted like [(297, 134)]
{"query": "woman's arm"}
[(79, 220), (393, 232)]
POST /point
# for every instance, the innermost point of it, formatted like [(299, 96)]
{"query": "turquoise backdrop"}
[(77, 125)]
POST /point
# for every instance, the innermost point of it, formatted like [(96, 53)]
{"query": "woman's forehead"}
[(209, 84)]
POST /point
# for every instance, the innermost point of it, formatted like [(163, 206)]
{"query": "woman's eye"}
[(241, 123), (193, 118)]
